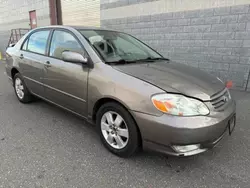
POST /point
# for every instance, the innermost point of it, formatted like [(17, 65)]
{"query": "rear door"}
[(32, 60), (65, 82)]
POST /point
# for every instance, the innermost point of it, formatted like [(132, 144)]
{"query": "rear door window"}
[(38, 41)]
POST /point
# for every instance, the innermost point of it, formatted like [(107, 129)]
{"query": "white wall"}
[(81, 12), (14, 14), (164, 6)]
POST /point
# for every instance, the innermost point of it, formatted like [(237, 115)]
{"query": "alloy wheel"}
[(19, 88), (114, 130)]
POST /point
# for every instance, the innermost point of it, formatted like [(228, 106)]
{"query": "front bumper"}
[(162, 133)]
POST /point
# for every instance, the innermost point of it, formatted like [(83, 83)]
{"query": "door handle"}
[(21, 56), (47, 65)]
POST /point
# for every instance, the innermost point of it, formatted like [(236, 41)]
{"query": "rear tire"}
[(122, 140), (21, 90)]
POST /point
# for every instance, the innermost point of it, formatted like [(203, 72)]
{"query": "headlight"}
[(179, 105)]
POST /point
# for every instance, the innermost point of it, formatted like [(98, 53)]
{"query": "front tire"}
[(117, 129), (21, 89)]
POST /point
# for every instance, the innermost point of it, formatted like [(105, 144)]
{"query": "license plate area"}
[(231, 124)]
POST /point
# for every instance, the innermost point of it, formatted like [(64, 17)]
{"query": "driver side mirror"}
[(74, 57)]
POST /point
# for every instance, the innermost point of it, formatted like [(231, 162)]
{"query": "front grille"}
[(220, 100)]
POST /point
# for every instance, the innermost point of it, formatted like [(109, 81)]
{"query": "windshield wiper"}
[(154, 59), (121, 61)]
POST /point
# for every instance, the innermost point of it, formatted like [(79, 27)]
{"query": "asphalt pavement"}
[(44, 146)]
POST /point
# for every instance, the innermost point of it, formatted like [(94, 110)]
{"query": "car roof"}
[(75, 27)]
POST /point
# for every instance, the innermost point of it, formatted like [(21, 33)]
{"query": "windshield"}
[(117, 47)]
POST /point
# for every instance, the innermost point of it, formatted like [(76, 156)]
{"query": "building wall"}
[(81, 12), (213, 35), (15, 14)]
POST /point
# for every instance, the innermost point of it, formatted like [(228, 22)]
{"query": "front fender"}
[(133, 93)]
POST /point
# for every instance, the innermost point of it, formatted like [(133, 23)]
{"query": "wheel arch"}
[(14, 71), (104, 100)]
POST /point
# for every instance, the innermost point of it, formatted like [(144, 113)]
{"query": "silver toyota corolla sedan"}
[(135, 96)]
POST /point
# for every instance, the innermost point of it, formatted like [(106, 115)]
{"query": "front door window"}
[(63, 41)]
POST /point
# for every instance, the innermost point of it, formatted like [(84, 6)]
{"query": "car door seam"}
[(44, 98), (45, 85)]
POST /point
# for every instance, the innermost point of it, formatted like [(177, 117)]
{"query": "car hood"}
[(175, 77)]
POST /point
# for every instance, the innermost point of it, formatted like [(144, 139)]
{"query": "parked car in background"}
[(135, 96)]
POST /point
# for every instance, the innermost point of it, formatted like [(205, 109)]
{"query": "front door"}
[(33, 20), (65, 82)]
